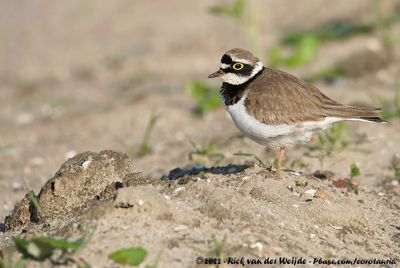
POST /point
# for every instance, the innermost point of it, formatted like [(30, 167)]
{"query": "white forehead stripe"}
[(239, 60), (224, 65)]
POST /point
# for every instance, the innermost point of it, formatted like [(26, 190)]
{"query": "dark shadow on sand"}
[(195, 170)]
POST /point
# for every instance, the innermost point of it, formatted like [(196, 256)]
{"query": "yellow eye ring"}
[(237, 66)]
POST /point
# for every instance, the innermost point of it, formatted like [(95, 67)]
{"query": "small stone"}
[(323, 195), (323, 174), (310, 192), (180, 228), (177, 190), (86, 164), (257, 245), (307, 195)]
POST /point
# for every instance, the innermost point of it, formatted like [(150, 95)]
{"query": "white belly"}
[(273, 135)]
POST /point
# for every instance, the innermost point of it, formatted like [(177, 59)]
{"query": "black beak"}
[(216, 74)]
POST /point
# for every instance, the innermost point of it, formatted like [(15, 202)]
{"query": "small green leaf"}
[(21, 245), (206, 98), (354, 171), (301, 183), (234, 11), (130, 256), (39, 250), (328, 255), (305, 52), (397, 173), (57, 244), (33, 250)]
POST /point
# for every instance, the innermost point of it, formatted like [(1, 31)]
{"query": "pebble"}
[(86, 164), (177, 190), (180, 228), (323, 195), (257, 245), (335, 227), (310, 192)]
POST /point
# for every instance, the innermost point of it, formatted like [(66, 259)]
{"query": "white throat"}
[(234, 79)]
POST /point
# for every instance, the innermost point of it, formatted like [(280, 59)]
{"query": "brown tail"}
[(352, 112)]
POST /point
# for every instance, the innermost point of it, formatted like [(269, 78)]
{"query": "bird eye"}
[(237, 66)]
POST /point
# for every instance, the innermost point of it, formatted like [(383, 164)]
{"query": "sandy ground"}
[(78, 76)]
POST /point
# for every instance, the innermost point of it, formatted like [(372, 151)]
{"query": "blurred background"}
[(131, 76)]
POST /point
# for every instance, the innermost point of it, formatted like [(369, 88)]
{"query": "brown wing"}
[(276, 97)]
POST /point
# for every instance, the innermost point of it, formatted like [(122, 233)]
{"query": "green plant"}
[(206, 98), (328, 255), (34, 201), (391, 107), (382, 26), (249, 23), (144, 147), (397, 173), (336, 138), (303, 52), (207, 149), (351, 184), (129, 256), (301, 184), (259, 161), (47, 248), (133, 256), (219, 245), (354, 171), (219, 248)]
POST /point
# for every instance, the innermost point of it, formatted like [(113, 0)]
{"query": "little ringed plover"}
[(276, 109)]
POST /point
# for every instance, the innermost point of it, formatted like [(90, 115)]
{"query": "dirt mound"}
[(83, 179), (258, 214)]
